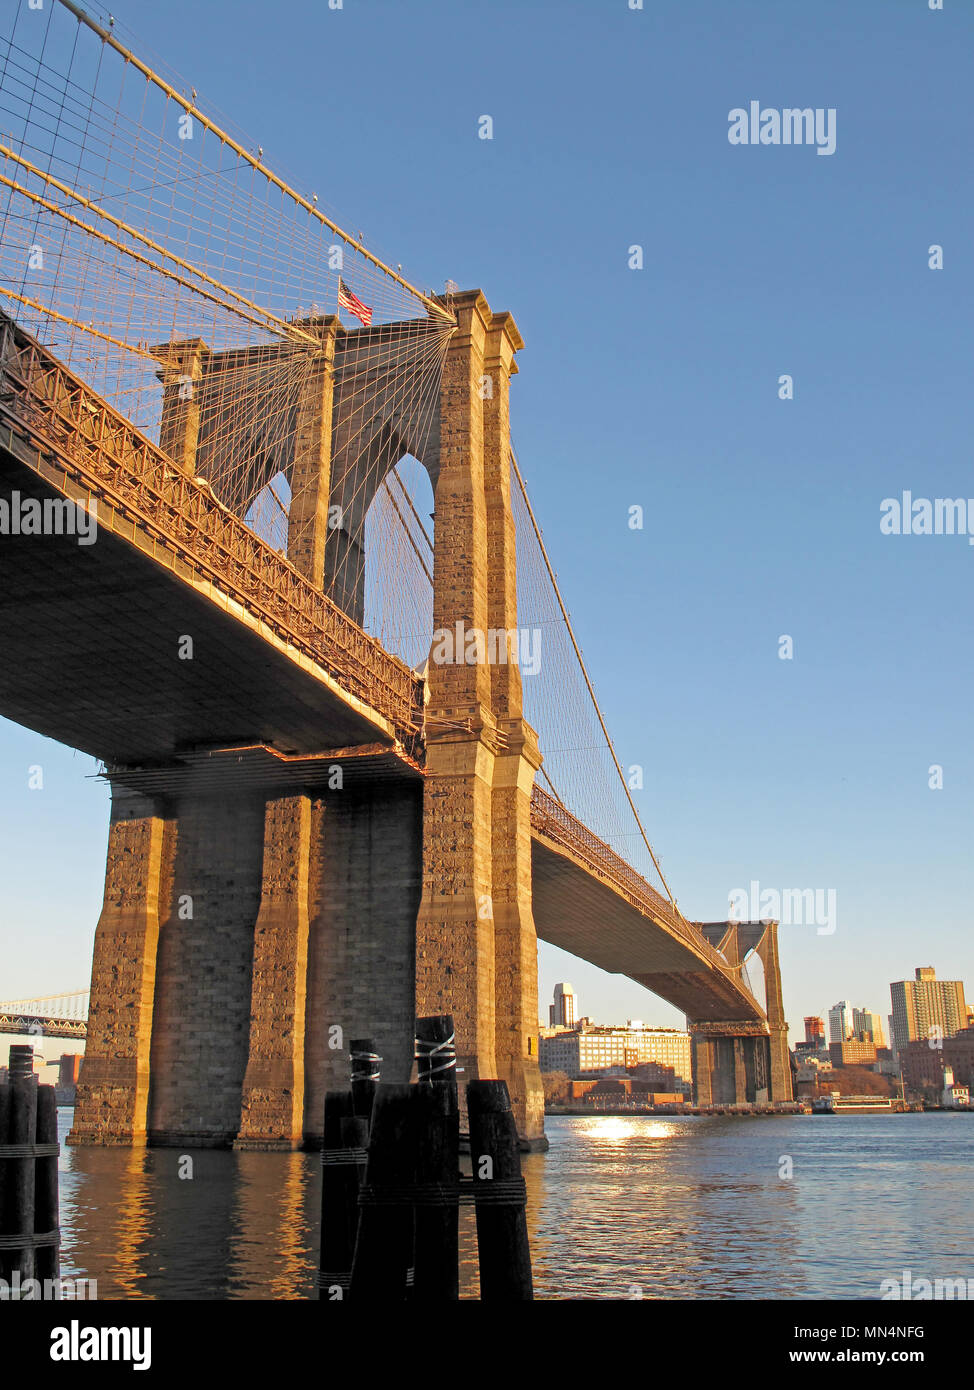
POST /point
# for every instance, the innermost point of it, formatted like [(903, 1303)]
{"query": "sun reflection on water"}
[(613, 1128)]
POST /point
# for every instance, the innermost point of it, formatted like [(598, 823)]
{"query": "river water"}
[(622, 1206)]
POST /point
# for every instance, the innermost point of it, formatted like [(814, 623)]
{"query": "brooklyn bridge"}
[(339, 798)]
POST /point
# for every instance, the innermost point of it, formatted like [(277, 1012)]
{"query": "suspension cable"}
[(588, 683)]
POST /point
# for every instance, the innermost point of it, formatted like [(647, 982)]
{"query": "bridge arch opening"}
[(267, 514), (754, 978), (397, 562)]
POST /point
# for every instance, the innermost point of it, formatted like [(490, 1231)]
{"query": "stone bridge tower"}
[(741, 1061), (312, 908)]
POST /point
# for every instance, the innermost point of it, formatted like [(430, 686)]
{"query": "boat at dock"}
[(852, 1105)]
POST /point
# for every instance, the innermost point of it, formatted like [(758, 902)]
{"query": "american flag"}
[(354, 305)]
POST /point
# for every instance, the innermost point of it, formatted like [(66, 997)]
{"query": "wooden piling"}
[(502, 1231), (384, 1249), (46, 1214), (438, 1162), (355, 1135), (436, 1050), (339, 1202), (22, 1131), (365, 1074)]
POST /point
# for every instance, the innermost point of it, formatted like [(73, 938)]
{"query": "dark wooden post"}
[(365, 1074), (502, 1229), (339, 1202), (355, 1135), (438, 1162), (384, 1249), (436, 1050), (46, 1216), (21, 1130)]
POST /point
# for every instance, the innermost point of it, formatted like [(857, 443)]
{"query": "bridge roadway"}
[(282, 685)]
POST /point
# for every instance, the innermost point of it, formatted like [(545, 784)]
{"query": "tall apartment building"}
[(592, 1050), (925, 1003), (841, 1026), (563, 1012)]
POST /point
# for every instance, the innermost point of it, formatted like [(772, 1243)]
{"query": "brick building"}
[(589, 1051), (923, 1066)]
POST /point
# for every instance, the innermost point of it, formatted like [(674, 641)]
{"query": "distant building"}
[(868, 1027), (809, 1067), (886, 1063), (841, 1026), (562, 1013), (622, 1089), (926, 1008), (923, 1064), (954, 1095), (814, 1030), (69, 1068), (852, 1053), (595, 1051)]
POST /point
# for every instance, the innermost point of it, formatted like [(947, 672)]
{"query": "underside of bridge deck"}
[(590, 918), (93, 636)]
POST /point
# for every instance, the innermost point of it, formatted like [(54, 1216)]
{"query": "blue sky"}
[(659, 387)]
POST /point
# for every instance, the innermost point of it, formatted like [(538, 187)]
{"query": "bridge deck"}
[(589, 901)]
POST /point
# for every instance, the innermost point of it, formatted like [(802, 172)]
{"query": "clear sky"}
[(660, 387)]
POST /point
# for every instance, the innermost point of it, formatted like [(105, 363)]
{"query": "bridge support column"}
[(740, 1072), (454, 928), (307, 528), (780, 1064), (113, 1090), (476, 951), (701, 1056), (181, 378), (731, 1063), (365, 893), (272, 1103), (515, 939)]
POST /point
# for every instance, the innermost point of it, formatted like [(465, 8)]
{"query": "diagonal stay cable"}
[(588, 683)]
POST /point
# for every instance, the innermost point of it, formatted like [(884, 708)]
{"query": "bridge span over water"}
[(215, 760), (317, 832)]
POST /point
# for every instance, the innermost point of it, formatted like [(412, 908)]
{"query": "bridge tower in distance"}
[(740, 1061)]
